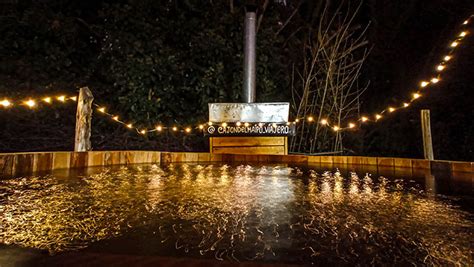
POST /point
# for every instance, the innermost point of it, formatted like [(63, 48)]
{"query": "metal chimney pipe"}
[(250, 55)]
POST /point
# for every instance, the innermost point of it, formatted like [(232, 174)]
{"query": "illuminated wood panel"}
[(235, 149), (249, 145)]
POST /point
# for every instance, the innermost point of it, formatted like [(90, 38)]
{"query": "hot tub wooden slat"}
[(275, 150), (402, 163), (386, 162), (15, 164), (248, 141), (461, 166), (43, 162), (61, 160)]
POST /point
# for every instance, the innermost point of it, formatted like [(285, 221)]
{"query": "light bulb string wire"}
[(425, 84), (33, 102)]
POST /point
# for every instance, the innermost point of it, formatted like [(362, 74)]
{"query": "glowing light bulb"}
[(246, 124), (101, 110), (297, 120), (424, 83), (238, 123), (336, 128), (129, 125), (465, 22), (188, 130), (261, 124), (416, 95), (159, 128), (61, 98), (462, 34), (440, 67), (73, 98), (201, 126), (405, 105), (288, 123), (447, 58), (224, 124), (5, 103), (310, 119), (390, 109), (378, 117), (454, 44), (434, 80), (175, 128), (30, 103), (352, 125), (364, 119), (274, 124), (210, 123), (143, 131), (47, 100), (115, 118), (324, 122)]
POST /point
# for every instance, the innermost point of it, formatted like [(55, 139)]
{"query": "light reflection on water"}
[(266, 213)]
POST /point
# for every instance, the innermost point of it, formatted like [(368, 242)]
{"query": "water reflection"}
[(267, 213)]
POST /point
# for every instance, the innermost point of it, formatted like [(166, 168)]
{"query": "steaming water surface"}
[(272, 213)]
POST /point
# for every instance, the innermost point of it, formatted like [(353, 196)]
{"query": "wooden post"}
[(82, 140), (426, 131)]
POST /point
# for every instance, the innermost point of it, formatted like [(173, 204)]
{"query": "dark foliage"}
[(163, 61)]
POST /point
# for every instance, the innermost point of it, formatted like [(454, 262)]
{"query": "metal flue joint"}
[(249, 90)]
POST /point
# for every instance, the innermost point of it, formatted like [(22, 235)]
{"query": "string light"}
[(30, 103), (5, 103), (440, 67), (33, 102), (62, 98)]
